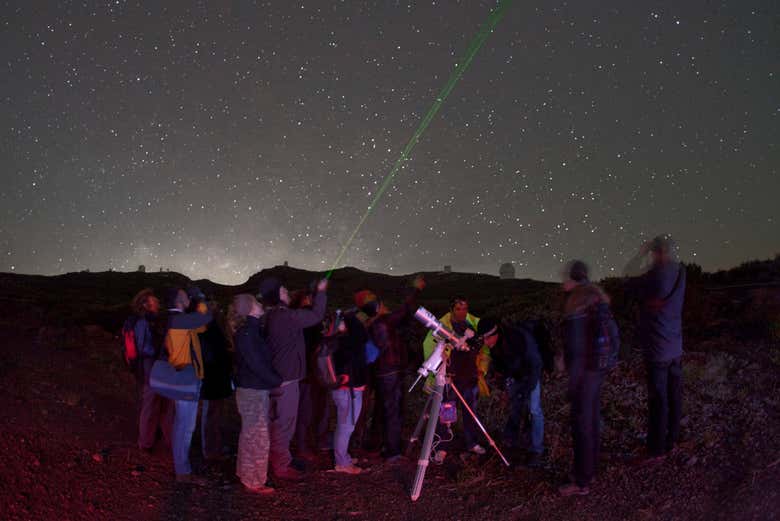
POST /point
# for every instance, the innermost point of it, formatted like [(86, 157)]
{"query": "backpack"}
[(372, 352), (130, 351), (606, 338)]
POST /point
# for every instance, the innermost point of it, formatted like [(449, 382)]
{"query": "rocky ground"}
[(67, 451)]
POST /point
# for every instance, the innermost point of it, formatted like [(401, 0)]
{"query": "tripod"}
[(431, 415)]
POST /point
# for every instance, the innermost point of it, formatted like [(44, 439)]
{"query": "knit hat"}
[(364, 297), (367, 302), (487, 327), (269, 290)]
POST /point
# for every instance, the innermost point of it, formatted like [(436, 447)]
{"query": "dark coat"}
[(350, 355), (253, 358), (517, 356), (284, 333), (661, 294), (217, 365), (384, 331)]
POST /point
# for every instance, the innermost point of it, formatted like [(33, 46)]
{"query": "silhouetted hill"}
[(102, 297), (726, 299)]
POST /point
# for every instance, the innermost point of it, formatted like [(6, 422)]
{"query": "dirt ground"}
[(67, 451)]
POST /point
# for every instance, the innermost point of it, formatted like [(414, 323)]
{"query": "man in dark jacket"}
[(284, 330), (384, 331), (515, 355), (661, 293), (585, 377)]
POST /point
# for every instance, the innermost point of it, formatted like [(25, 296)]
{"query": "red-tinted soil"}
[(67, 451)]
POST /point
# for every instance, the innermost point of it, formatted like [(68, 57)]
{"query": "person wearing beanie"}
[(383, 330), (515, 355), (284, 334), (584, 386), (660, 291)]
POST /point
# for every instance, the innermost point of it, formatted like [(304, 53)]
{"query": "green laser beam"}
[(476, 43)]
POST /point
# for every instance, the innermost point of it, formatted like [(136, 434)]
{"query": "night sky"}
[(220, 138)]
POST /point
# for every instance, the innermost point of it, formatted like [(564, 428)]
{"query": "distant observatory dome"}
[(507, 271)]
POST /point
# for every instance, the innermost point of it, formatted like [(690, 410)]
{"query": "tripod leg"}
[(479, 423), (423, 417), (425, 450)]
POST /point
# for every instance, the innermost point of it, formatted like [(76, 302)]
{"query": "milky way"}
[(219, 138)]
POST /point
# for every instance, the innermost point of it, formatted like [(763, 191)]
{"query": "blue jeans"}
[(521, 405), (183, 426), (348, 404)]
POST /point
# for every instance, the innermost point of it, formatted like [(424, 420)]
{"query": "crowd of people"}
[(271, 347)]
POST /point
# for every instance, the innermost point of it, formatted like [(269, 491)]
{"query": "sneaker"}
[(191, 479), (348, 469), (438, 458), (263, 490), (573, 489), (477, 449)]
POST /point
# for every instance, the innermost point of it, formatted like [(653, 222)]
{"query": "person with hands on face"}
[(255, 377)]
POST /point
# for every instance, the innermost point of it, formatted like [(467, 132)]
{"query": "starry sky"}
[(219, 138)]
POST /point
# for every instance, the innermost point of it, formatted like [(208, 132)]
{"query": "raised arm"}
[(192, 320)]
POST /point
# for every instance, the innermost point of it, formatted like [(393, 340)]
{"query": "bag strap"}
[(195, 362)]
